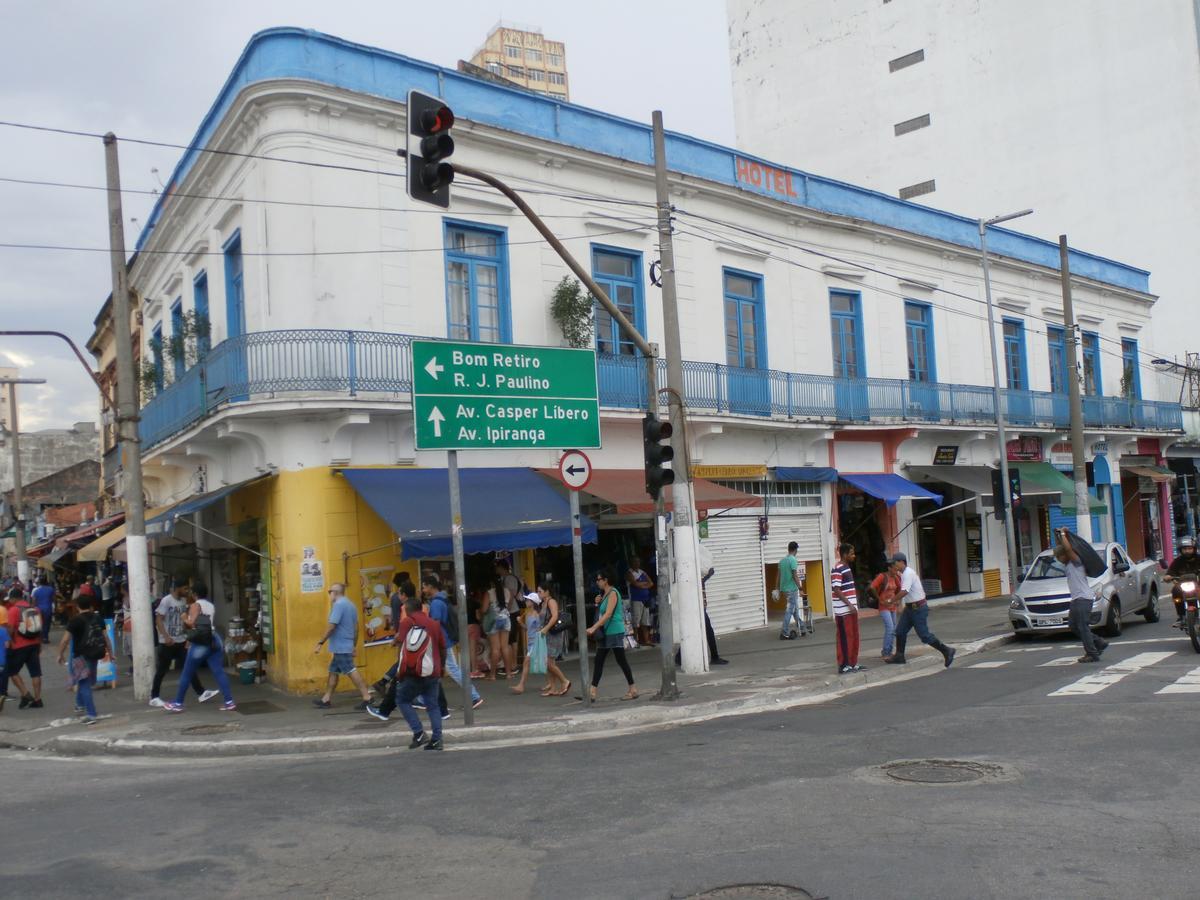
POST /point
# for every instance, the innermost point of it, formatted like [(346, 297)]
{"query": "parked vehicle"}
[(1043, 604)]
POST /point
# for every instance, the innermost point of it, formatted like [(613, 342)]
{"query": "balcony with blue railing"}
[(377, 365)]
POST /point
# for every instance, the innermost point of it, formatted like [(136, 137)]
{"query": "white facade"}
[(1086, 110)]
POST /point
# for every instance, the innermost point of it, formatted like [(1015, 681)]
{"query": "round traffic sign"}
[(575, 470)]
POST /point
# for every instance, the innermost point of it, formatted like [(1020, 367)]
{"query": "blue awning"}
[(805, 473), (890, 488), (502, 509), (164, 523)]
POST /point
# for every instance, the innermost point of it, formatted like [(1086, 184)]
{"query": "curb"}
[(565, 728)]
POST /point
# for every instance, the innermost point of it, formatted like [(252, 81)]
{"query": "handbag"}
[(201, 633)]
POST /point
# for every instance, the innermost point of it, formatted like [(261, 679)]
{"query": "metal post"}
[(137, 556), (686, 595), (460, 587), (1083, 515), (585, 676), (14, 432), (1010, 532)]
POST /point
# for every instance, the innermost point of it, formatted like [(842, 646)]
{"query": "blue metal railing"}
[(353, 363)]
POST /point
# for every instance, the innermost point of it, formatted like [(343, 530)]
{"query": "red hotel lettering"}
[(758, 175)]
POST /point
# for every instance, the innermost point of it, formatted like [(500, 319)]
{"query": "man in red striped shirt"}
[(845, 610)]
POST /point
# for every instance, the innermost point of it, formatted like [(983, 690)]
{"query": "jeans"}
[(1081, 613), (83, 690), (912, 617), (455, 672), (792, 612), (164, 655), (888, 617), (408, 690), (199, 655)]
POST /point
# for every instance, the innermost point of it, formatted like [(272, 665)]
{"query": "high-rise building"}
[(6, 372), (525, 58), (1086, 110)]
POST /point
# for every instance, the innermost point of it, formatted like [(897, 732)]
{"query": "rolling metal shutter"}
[(736, 595), (805, 530)]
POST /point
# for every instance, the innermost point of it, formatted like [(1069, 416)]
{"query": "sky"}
[(151, 69)]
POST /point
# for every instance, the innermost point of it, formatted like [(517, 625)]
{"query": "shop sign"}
[(704, 529), (974, 527), (377, 605), (1060, 454), (479, 396), (763, 178), (945, 455), (1027, 448), (312, 572), (1100, 448), (729, 472)]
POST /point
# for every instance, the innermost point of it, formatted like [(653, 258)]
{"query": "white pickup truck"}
[(1043, 604)]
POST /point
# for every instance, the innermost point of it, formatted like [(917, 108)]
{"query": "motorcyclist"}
[(1186, 563)]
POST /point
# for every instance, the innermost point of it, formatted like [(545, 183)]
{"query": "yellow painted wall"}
[(815, 585)]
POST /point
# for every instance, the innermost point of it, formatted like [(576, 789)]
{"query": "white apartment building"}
[(836, 370), (1086, 110)]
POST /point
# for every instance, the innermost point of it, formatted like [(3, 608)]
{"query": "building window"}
[(537, 75), (200, 305), (554, 59), (178, 341), (1131, 377), (1014, 355), (156, 354), (1091, 364), (911, 125), (845, 317), (782, 494), (516, 72), (512, 52), (619, 273), (556, 77), (477, 283), (916, 190), (908, 59), (495, 68), (918, 320), (235, 298), (744, 346), (533, 56), (1058, 359)]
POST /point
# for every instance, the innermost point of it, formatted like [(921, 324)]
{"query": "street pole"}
[(685, 598), (137, 556), (1083, 515), (1010, 531), (460, 587), (585, 678), (14, 426)]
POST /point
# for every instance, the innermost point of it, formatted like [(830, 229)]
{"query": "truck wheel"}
[(1113, 627), (1151, 610)]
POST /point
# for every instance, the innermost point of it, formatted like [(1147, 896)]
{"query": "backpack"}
[(30, 624), (416, 654), (93, 646), (201, 633), (451, 622)]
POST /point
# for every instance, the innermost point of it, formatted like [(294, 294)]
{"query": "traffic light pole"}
[(1083, 516)]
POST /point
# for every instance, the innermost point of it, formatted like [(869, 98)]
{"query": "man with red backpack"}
[(25, 647), (419, 673)]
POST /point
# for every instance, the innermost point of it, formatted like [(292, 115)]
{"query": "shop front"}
[(1185, 498)]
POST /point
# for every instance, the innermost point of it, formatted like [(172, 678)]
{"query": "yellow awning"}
[(98, 549)]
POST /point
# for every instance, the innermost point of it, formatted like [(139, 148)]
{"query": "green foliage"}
[(190, 346), (572, 309)]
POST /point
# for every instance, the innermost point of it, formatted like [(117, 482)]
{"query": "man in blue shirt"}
[(441, 611), (43, 599), (342, 637)]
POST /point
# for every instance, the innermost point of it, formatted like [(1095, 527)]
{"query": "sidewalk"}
[(764, 673)]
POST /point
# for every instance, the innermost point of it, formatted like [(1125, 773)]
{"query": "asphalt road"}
[(1089, 797)]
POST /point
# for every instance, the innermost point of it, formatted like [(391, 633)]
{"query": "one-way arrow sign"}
[(575, 469), (437, 419), (433, 368)]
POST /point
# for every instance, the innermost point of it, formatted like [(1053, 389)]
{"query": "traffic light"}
[(657, 451), (999, 497), (1014, 488), (429, 146)]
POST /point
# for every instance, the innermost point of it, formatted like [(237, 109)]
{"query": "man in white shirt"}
[(172, 643), (914, 613)]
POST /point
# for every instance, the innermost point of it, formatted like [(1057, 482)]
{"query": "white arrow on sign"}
[(437, 419), (433, 368)]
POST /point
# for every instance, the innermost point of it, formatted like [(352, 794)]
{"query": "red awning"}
[(79, 534), (626, 490)]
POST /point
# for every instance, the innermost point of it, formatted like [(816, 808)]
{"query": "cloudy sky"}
[(150, 70)]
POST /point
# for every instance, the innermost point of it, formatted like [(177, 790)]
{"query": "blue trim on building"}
[(296, 53), (614, 341), (473, 262)]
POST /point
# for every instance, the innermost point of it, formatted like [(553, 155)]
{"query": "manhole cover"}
[(210, 729), (940, 771), (258, 707), (753, 892)]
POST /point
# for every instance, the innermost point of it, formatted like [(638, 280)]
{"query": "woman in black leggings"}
[(610, 622)]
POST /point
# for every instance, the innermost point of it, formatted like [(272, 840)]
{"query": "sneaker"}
[(842, 670), (228, 706), (25, 701), (720, 661), (374, 711), (418, 740), (36, 704), (322, 704), (951, 653), (858, 668), (785, 637), (89, 720), (156, 702), (476, 703), (208, 695), (417, 704), (445, 715), (172, 707), (435, 744), (1088, 659), (361, 706)]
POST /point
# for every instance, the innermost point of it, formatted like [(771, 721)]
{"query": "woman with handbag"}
[(610, 620), (555, 630), (204, 648)]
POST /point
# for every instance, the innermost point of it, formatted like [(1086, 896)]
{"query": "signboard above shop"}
[(1026, 448), (945, 455)]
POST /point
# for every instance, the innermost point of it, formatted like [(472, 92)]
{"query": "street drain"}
[(210, 729), (753, 892), (942, 771)]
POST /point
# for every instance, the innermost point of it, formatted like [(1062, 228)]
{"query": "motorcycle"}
[(1189, 590)]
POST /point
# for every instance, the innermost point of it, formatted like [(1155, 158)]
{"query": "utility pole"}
[(685, 598), (137, 556), (14, 426), (1083, 515)]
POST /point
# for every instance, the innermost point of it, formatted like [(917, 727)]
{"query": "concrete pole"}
[(685, 597), (1083, 515), (460, 588), (18, 500), (137, 557)]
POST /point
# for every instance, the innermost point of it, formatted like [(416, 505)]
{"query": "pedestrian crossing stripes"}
[(1041, 648), (1110, 675), (1188, 684), (1060, 661), (992, 664)]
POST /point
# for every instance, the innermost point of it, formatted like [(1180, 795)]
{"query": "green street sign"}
[(476, 396)]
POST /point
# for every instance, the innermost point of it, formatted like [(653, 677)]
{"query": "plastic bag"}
[(537, 655), (1093, 563)]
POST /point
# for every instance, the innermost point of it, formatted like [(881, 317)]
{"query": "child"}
[(535, 641)]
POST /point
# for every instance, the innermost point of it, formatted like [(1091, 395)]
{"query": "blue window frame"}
[(477, 283), (156, 350), (1092, 384), (235, 296), (1014, 355), (745, 347), (1055, 339), (845, 312), (200, 305), (918, 321), (619, 272), (1132, 374), (178, 346)]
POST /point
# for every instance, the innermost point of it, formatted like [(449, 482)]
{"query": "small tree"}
[(572, 309), (1127, 381)]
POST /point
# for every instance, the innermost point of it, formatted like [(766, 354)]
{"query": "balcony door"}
[(745, 351), (849, 368)]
